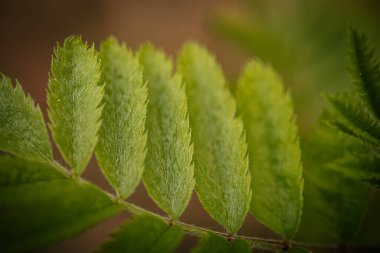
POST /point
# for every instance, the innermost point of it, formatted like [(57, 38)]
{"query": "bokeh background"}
[(303, 39)]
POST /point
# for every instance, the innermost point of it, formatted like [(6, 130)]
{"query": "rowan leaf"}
[(273, 148), (364, 70), (221, 165), (22, 127), (169, 175), (212, 243), (40, 205), (121, 147), (74, 98), (145, 234)]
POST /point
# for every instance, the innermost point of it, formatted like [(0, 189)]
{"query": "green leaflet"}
[(212, 243), (349, 115), (364, 70), (122, 138), (221, 165), (22, 128), (74, 101), (362, 166), (334, 202), (273, 148), (39, 205), (169, 175), (145, 234)]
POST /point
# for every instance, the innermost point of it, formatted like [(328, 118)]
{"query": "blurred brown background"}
[(30, 29)]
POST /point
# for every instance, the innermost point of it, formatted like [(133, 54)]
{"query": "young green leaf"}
[(212, 243), (273, 148), (221, 165), (364, 70), (122, 139), (169, 175), (22, 127), (74, 98), (39, 205), (145, 234)]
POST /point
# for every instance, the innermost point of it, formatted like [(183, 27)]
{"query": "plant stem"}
[(273, 245), (256, 242)]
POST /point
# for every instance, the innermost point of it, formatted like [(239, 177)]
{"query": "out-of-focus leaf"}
[(145, 234), (39, 205), (349, 115), (365, 167), (334, 203), (364, 70), (273, 147), (308, 56)]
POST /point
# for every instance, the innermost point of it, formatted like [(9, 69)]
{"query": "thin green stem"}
[(255, 242)]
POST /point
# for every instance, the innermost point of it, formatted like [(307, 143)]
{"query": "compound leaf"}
[(122, 139), (145, 234), (221, 165), (273, 148), (212, 243), (22, 128), (40, 205), (169, 175), (74, 98)]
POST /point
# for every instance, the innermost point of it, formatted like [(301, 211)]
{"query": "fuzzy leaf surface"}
[(221, 165), (169, 174), (74, 97), (39, 205), (22, 127), (144, 234), (273, 148), (122, 139)]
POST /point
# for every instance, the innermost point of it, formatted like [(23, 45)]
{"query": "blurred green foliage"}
[(306, 42), (303, 39)]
